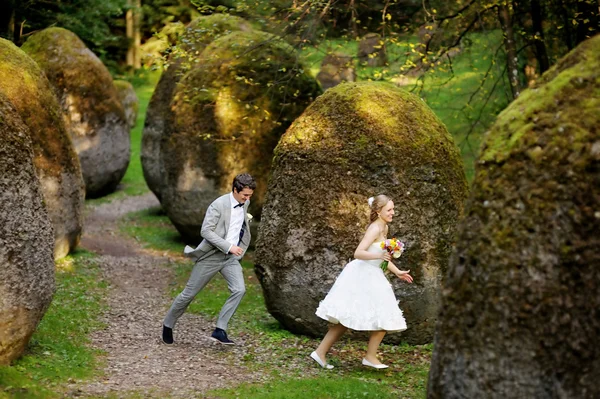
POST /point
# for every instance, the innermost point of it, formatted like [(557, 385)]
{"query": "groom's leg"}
[(232, 272), (202, 273)]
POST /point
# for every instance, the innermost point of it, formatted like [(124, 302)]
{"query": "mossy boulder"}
[(355, 141), (335, 69), (197, 35), (521, 304), (371, 50), (26, 237), (228, 115), (129, 101), (92, 111), (27, 88)]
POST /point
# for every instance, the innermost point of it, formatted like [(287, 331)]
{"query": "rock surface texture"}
[(228, 115), (521, 304), (371, 50), (26, 238), (57, 165), (92, 111), (355, 141), (335, 69), (129, 101), (198, 34)]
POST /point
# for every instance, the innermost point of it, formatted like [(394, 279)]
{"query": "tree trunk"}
[(353, 19), (504, 15), (133, 22), (567, 37), (538, 31), (588, 24), (7, 19)]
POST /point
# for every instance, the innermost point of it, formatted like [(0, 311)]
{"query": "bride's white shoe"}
[(365, 362), (317, 359)]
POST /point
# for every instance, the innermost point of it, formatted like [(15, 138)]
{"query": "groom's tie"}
[(242, 232), (240, 204)]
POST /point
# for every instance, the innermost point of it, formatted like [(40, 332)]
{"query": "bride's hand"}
[(386, 256), (404, 275)]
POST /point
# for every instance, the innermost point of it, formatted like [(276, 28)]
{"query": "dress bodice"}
[(376, 249), (376, 245)]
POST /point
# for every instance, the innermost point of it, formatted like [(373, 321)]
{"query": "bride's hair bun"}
[(370, 201)]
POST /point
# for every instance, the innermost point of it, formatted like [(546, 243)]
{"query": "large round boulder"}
[(129, 101), (355, 141), (228, 115), (335, 69), (26, 87), (26, 238), (197, 35), (371, 50), (521, 304), (92, 111)]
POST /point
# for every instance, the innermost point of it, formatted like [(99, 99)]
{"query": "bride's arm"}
[(370, 236), (401, 274)]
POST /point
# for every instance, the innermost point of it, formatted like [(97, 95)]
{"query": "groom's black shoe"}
[(167, 335), (220, 336)]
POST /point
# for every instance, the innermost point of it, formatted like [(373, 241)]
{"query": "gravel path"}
[(136, 360)]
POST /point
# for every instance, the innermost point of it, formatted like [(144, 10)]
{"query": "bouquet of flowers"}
[(394, 247)]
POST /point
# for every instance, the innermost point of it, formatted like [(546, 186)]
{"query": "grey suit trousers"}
[(204, 270)]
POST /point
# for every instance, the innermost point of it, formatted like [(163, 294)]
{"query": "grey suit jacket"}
[(214, 230)]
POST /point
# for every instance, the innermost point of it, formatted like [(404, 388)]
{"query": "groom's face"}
[(244, 195)]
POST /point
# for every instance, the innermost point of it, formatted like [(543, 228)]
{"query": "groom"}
[(226, 236)]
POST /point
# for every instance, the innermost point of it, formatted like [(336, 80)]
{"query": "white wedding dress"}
[(362, 298)]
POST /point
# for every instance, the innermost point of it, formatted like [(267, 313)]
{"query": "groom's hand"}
[(237, 251)]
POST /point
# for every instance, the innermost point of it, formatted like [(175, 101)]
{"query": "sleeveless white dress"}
[(362, 298)]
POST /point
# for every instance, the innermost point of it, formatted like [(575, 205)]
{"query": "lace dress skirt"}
[(362, 299)]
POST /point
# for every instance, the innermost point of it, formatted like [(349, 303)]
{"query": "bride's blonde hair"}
[(376, 204)]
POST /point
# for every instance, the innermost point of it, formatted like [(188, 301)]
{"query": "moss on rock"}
[(355, 141), (228, 115), (128, 100), (26, 236), (92, 111), (521, 304), (26, 87), (197, 35)]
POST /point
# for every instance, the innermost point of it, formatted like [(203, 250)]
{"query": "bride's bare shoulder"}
[(374, 231)]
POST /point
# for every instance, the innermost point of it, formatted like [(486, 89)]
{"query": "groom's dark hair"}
[(242, 181)]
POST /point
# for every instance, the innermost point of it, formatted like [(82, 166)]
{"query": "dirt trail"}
[(136, 360)]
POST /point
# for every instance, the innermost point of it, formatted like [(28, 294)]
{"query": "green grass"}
[(153, 229), (409, 382), (58, 351), (133, 182), (320, 387)]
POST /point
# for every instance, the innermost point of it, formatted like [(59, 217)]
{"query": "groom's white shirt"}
[(235, 222), (216, 228)]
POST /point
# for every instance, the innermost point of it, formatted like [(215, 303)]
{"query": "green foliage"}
[(158, 14), (96, 22), (163, 23), (58, 350)]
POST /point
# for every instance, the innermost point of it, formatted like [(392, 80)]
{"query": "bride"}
[(362, 298)]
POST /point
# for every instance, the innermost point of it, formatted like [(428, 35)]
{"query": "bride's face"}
[(387, 212)]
